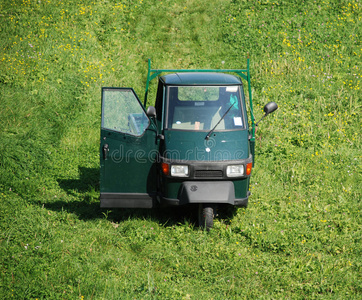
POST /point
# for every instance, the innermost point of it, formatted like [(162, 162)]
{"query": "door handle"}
[(105, 151)]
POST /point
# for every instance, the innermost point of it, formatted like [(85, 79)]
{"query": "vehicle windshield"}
[(202, 107)]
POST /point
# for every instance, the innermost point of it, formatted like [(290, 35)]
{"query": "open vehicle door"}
[(128, 151)]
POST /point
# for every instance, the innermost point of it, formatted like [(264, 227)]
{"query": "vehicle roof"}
[(200, 78)]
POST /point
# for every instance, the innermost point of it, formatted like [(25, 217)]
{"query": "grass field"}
[(299, 238)]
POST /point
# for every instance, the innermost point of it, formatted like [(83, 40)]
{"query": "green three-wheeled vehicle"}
[(194, 146)]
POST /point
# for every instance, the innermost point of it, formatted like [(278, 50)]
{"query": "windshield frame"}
[(198, 103)]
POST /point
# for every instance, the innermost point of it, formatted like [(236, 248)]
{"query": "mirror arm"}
[(158, 135), (256, 124)]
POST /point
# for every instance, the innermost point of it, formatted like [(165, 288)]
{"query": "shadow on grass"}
[(84, 202), (88, 181)]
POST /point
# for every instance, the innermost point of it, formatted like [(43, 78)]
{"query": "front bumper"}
[(213, 192)]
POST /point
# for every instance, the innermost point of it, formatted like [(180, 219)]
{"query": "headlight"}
[(235, 171), (179, 170)]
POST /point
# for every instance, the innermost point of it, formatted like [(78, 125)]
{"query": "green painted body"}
[(200, 127), (126, 168), (190, 147), (223, 146)]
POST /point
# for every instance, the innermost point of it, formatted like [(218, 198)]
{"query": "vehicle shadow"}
[(84, 202), (88, 181)]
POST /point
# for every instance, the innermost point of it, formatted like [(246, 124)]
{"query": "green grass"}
[(300, 236)]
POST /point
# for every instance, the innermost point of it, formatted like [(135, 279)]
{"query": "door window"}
[(123, 112)]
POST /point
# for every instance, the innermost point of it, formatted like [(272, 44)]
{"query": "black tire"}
[(206, 216)]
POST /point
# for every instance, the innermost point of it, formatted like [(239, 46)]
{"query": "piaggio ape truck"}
[(195, 146)]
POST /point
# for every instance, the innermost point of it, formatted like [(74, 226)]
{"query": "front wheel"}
[(206, 216)]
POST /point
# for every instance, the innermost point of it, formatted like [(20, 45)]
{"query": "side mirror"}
[(151, 112), (270, 107)]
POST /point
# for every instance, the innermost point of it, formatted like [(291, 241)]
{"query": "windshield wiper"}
[(213, 129)]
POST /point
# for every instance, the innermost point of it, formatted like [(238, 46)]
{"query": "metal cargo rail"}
[(243, 73)]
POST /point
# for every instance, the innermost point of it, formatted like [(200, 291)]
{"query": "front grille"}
[(208, 173)]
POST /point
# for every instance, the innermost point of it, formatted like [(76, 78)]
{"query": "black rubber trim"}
[(126, 200)]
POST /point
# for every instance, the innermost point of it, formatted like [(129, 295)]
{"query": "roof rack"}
[(243, 73)]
